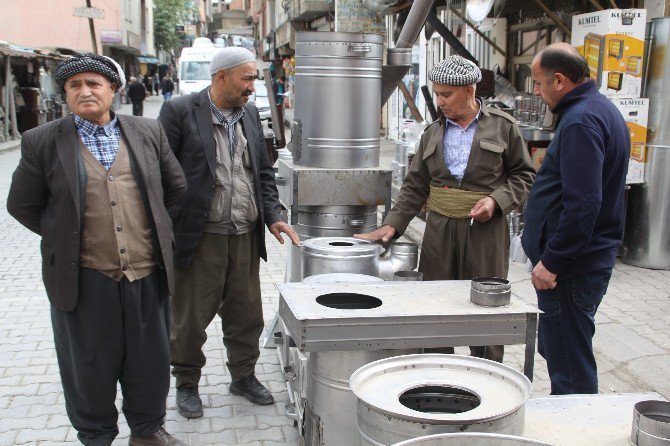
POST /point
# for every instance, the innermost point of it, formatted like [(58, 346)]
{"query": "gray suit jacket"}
[(188, 124), (46, 196)]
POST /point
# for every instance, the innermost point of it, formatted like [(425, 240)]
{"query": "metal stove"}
[(344, 328)]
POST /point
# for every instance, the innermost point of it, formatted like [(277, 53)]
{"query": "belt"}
[(453, 203)]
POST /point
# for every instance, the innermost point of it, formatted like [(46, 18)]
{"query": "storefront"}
[(29, 95)]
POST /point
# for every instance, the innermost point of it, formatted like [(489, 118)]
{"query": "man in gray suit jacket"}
[(219, 227), (95, 187)]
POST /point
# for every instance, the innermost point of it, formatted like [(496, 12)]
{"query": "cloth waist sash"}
[(453, 203)]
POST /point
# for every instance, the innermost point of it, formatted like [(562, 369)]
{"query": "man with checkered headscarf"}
[(473, 168), (95, 186), (220, 226)]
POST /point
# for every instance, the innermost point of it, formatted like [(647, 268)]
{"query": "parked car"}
[(261, 99)]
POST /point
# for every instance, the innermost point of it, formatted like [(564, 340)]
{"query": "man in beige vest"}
[(95, 187), (473, 168)]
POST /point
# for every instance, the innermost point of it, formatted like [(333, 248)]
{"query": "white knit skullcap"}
[(230, 57), (455, 70)]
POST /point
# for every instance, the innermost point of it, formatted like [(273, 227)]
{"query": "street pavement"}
[(632, 344)]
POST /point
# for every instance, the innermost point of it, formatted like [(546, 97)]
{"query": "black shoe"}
[(158, 438), (250, 388), (189, 403)]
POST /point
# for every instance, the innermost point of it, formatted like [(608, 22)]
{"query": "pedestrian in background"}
[(137, 93), (220, 226), (167, 87), (95, 186), (156, 82), (473, 167), (149, 84), (279, 87), (573, 221)]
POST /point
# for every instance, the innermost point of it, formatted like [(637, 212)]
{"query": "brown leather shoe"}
[(158, 438)]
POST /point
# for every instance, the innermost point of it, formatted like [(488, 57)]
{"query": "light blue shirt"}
[(456, 143)]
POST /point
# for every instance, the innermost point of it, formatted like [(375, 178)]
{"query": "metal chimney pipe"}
[(414, 23)]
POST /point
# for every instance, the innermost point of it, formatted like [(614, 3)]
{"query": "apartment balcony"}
[(307, 10)]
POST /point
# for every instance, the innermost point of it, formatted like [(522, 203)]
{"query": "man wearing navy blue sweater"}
[(574, 215)]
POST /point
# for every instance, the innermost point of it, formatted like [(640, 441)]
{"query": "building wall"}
[(205, 16), (56, 26), (149, 41)]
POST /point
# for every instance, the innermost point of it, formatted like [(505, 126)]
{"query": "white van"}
[(194, 66)]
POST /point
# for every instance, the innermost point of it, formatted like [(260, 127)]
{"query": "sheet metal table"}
[(411, 315), (593, 420)]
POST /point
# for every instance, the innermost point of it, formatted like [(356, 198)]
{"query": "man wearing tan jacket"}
[(473, 168)]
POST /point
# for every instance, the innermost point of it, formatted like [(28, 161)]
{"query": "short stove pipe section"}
[(400, 256)]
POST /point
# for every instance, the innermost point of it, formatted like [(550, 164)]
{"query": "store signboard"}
[(190, 31), (111, 37), (91, 13)]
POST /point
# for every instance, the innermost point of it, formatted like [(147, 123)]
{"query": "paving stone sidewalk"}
[(632, 347)]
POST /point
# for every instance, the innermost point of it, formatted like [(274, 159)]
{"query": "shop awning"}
[(150, 60), (28, 53)]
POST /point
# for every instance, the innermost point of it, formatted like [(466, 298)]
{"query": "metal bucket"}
[(472, 439), (339, 255), (411, 396), (328, 221), (338, 75), (336, 221), (331, 413)]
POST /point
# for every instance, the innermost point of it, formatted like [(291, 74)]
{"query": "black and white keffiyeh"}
[(455, 70), (90, 63)]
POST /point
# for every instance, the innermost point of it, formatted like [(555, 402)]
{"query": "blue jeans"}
[(566, 328), (167, 96)]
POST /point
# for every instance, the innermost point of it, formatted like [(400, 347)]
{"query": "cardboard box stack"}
[(636, 113), (612, 41)]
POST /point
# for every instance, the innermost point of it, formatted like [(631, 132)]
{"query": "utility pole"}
[(92, 28)]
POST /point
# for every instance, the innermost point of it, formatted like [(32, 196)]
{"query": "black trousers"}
[(119, 332), (138, 108)]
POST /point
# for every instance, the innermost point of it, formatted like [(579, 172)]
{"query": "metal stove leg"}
[(269, 341), (531, 336)]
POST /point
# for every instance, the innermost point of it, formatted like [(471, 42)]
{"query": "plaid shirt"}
[(101, 141), (457, 142), (229, 126)]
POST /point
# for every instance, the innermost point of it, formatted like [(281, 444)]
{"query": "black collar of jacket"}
[(578, 94), (203, 115)]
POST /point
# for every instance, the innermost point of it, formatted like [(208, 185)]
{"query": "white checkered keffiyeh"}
[(455, 70), (93, 63)]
